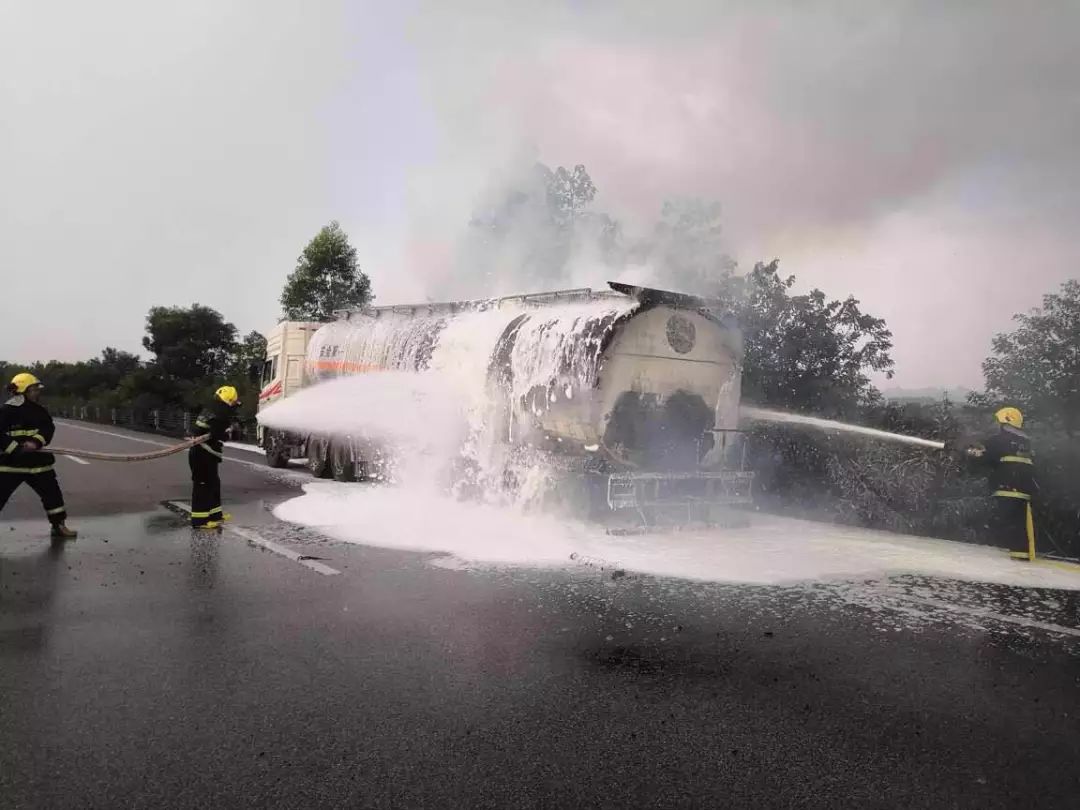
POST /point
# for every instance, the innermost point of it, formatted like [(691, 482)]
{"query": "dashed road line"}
[(288, 553), (77, 460), (247, 448), (254, 449), (276, 548)]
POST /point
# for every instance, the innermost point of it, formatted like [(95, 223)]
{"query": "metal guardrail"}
[(166, 422)]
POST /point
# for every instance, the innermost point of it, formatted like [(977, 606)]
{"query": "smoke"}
[(817, 129), (792, 116)]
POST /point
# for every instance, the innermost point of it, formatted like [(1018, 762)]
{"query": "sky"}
[(922, 156)]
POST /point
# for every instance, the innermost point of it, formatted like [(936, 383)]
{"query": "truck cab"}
[(282, 376)]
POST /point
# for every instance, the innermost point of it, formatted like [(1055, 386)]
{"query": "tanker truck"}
[(633, 390)]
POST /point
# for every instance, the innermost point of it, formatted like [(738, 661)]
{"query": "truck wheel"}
[(277, 453), (318, 457), (342, 464)]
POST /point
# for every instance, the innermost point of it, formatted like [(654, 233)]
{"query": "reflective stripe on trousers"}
[(1029, 520), (1011, 493), (1016, 459)]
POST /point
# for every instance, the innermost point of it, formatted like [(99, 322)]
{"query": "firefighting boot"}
[(60, 531)]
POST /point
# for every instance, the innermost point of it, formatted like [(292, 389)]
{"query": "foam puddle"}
[(771, 551)]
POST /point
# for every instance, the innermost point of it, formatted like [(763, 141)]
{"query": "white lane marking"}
[(248, 448), (288, 553), (77, 460), (153, 442), (258, 451), (257, 540)]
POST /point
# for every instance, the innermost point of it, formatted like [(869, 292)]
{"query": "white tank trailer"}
[(633, 388)]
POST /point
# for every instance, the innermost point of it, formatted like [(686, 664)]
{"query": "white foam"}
[(420, 417), (447, 411), (771, 551)]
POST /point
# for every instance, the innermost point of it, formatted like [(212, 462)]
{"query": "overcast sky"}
[(924, 157)]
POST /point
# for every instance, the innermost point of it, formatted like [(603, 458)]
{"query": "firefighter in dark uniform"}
[(25, 430), (217, 420), (1011, 471)]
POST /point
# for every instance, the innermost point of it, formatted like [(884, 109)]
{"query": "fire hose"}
[(96, 456)]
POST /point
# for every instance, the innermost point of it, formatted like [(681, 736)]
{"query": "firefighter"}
[(25, 430), (1011, 471), (217, 420)]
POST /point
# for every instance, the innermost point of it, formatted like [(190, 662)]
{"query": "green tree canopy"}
[(805, 352), (249, 351), (326, 278), (686, 247), (534, 224), (97, 378), (193, 344), (116, 364), (1036, 367)]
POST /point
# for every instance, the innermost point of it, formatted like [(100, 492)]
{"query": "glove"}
[(30, 446)]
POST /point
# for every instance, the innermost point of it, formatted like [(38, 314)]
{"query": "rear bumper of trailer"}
[(678, 496)]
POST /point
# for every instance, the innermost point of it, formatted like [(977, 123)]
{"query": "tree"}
[(532, 227), (249, 351), (195, 344), (326, 278), (686, 247), (84, 381), (568, 193), (1037, 366), (116, 363), (805, 352)]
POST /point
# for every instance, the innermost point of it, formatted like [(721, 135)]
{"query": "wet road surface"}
[(142, 666)]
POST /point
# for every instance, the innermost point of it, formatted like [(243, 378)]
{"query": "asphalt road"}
[(142, 666)]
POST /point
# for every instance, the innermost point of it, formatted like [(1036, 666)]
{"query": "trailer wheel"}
[(277, 452), (341, 464), (318, 451)]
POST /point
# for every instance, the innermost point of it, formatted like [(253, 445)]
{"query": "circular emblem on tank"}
[(681, 334)]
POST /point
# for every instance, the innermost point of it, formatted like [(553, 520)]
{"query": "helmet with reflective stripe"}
[(1010, 416), (21, 382), (228, 395)]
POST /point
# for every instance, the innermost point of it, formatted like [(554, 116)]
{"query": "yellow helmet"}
[(21, 382), (1010, 416), (228, 395)]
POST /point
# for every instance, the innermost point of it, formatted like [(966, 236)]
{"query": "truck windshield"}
[(269, 371)]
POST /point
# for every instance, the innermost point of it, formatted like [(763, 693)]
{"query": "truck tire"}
[(341, 463), (318, 454), (277, 453)]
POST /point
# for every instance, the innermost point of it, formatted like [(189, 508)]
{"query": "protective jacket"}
[(216, 420), (24, 421), (1012, 467)]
